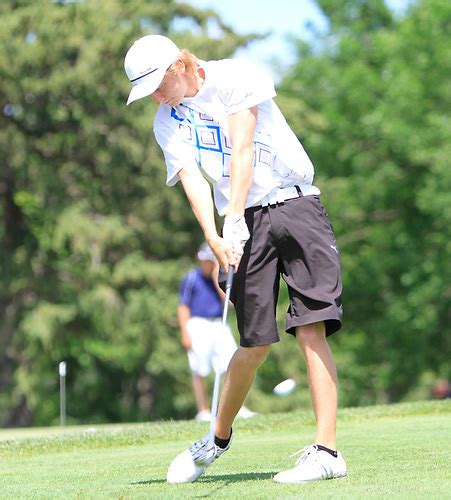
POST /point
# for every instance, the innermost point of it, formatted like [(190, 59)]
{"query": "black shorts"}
[(294, 239)]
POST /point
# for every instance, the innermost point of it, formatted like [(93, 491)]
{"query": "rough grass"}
[(395, 451)]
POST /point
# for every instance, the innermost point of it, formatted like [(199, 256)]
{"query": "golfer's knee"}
[(254, 355), (311, 334)]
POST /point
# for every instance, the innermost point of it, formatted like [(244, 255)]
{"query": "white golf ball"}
[(285, 388)]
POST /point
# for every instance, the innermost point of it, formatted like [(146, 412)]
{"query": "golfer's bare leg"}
[(238, 381), (199, 393), (322, 379)]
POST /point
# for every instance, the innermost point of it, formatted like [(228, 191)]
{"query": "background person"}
[(205, 339)]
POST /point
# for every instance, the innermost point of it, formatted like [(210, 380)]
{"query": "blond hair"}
[(189, 60)]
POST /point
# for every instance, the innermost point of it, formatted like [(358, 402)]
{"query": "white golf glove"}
[(235, 232)]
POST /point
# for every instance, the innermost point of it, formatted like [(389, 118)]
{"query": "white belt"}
[(279, 195)]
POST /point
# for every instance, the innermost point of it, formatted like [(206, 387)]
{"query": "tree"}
[(375, 94), (92, 246)]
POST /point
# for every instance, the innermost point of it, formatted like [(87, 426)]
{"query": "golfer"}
[(208, 343), (217, 122)]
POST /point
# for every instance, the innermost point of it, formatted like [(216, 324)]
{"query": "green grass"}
[(396, 451)]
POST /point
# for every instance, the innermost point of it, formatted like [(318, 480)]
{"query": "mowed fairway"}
[(396, 451)]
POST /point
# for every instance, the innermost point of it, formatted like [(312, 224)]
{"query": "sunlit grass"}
[(394, 451)]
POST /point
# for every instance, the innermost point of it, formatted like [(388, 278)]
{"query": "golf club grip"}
[(229, 282)]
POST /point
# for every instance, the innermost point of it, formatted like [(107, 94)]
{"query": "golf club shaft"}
[(214, 402)]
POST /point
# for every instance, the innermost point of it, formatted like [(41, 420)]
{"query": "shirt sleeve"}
[(186, 289), (244, 86), (177, 154)]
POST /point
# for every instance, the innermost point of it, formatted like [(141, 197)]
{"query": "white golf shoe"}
[(193, 462), (313, 465)]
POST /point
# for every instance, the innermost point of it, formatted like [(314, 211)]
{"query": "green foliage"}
[(92, 245), (380, 142)]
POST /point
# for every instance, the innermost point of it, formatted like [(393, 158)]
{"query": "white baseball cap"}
[(146, 63), (206, 253)]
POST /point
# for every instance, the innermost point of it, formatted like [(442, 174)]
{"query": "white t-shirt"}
[(197, 131)]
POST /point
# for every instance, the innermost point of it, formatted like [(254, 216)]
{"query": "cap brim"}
[(145, 88), (202, 256)]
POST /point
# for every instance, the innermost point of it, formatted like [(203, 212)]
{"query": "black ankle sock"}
[(323, 448), (222, 443)]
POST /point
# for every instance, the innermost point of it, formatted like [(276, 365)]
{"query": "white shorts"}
[(212, 345)]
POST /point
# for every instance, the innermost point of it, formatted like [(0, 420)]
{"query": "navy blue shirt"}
[(199, 293)]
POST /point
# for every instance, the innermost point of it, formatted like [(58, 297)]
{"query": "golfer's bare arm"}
[(198, 193), (242, 130)]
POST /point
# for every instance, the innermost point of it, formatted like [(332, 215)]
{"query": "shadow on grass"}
[(232, 478), (224, 478)]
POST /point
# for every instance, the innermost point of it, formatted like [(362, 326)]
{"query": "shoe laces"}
[(198, 445), (200, 449), (308, 453)]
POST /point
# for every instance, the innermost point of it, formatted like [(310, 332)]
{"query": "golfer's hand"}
[(223, 252), (235, 233)]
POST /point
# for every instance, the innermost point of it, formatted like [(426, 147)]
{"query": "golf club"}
[(215, 398)]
